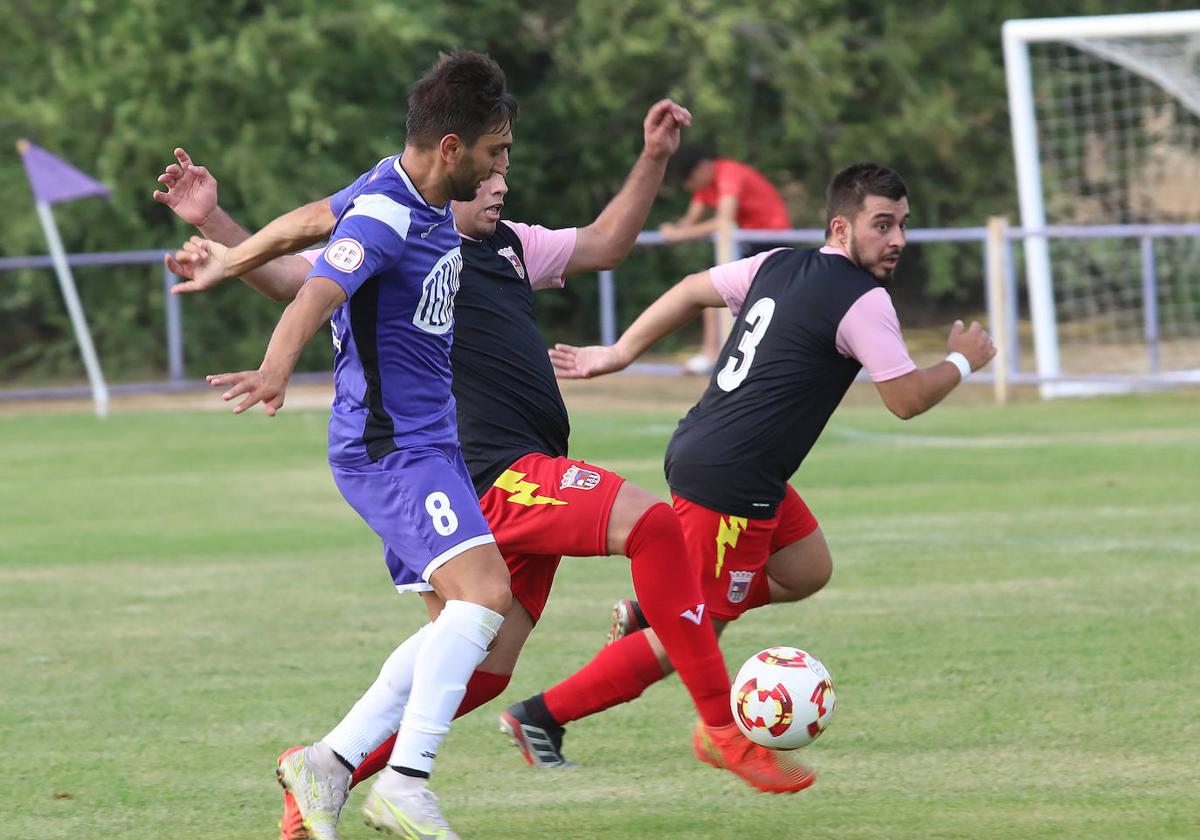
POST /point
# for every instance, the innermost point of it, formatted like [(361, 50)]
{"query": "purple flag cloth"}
[(53, 180)]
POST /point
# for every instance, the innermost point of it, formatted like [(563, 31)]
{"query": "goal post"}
[(1105, 115)]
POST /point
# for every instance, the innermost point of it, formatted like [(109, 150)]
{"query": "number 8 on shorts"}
[(437, 505)]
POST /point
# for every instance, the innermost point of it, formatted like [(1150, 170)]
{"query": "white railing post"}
[(174, 327), (994, 249), (1150, 301), (608, 308)]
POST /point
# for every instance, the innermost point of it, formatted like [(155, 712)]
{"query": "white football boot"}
[(406, 807), (320, 783)]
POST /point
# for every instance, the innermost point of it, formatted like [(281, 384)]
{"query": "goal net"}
[(1106, 126)]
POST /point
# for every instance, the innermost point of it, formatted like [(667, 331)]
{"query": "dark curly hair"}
[(849, 189), (464, 93)]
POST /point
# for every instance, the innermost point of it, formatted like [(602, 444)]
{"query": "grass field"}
[(1012, 627)]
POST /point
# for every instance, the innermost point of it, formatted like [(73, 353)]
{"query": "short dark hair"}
[(686, 158), (463, 93), (849, 189)]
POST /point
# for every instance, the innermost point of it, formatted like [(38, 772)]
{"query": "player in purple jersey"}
[(387, 280), (807, 322)]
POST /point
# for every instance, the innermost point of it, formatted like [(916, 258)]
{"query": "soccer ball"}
[(782, 698)]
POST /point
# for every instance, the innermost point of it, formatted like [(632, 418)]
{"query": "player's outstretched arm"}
[(192, 195), (313, 306), (678, 305), (674, 231), (970, 348), (686, 230), (290, 232), (607, 240)]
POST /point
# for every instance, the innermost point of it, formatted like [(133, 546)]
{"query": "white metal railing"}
[(1002, 304), (1002, 308)]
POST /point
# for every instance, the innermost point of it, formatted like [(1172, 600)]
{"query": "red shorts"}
[(541, 508), (728, 551)]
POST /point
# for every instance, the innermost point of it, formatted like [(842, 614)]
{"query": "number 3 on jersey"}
[(445, 521), (736, 369)]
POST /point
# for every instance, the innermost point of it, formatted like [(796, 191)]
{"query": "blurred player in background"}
[(725, 193), (513, 427), (807, 322), (388, 280)]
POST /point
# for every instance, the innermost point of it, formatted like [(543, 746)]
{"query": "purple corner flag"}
[(53, 180)]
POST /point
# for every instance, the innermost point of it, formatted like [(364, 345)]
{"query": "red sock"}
[(670, 598), (481, 688), (617, 674)]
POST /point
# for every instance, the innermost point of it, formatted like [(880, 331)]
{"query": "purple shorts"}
[(421, 503)]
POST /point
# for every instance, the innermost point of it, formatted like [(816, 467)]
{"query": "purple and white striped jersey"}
[(398, 260)]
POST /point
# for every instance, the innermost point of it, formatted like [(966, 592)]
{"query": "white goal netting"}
[(1118, 134)]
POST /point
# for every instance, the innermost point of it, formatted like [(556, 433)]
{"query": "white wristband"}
[(960, 362)]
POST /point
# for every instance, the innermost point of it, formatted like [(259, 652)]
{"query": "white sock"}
[(457, 643), (391, 783), (377, 714)]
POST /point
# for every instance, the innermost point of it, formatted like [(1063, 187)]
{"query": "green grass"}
[(1011, 624)]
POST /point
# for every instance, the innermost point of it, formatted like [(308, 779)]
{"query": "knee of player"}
[(489, 591), (657, 523), (822, 567), (801, 570), (495, 595), (630, 508)]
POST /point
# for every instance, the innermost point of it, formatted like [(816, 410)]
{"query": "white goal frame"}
[(1017, 36)]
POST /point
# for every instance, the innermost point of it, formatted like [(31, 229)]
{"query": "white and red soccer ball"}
[(782, 698)]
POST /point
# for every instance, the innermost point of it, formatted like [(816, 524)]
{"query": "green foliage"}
[(289, 101)]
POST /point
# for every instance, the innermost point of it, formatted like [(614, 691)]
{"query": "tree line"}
[(289, 101)]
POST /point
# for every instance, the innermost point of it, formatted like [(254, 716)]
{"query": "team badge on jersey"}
[(345, 254), (509, 254), (577, 479), (739, 586)]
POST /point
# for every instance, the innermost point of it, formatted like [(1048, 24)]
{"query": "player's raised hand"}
[(662, 126), (973, 342), (585, 362), (191, 190), (254, 386), (202, 264)]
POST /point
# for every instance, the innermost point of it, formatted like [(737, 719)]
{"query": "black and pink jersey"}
[(509, 404), (807, 322)]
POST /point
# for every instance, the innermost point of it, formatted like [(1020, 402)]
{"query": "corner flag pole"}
[(66, 283), (54, 180)]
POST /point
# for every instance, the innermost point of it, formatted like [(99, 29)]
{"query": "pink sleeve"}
[(312, 255), (870, 333), (547, 253), (732, 280)]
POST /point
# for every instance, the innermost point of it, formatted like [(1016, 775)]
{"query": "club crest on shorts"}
[(739, 586), (509, 254), (577, 479)]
